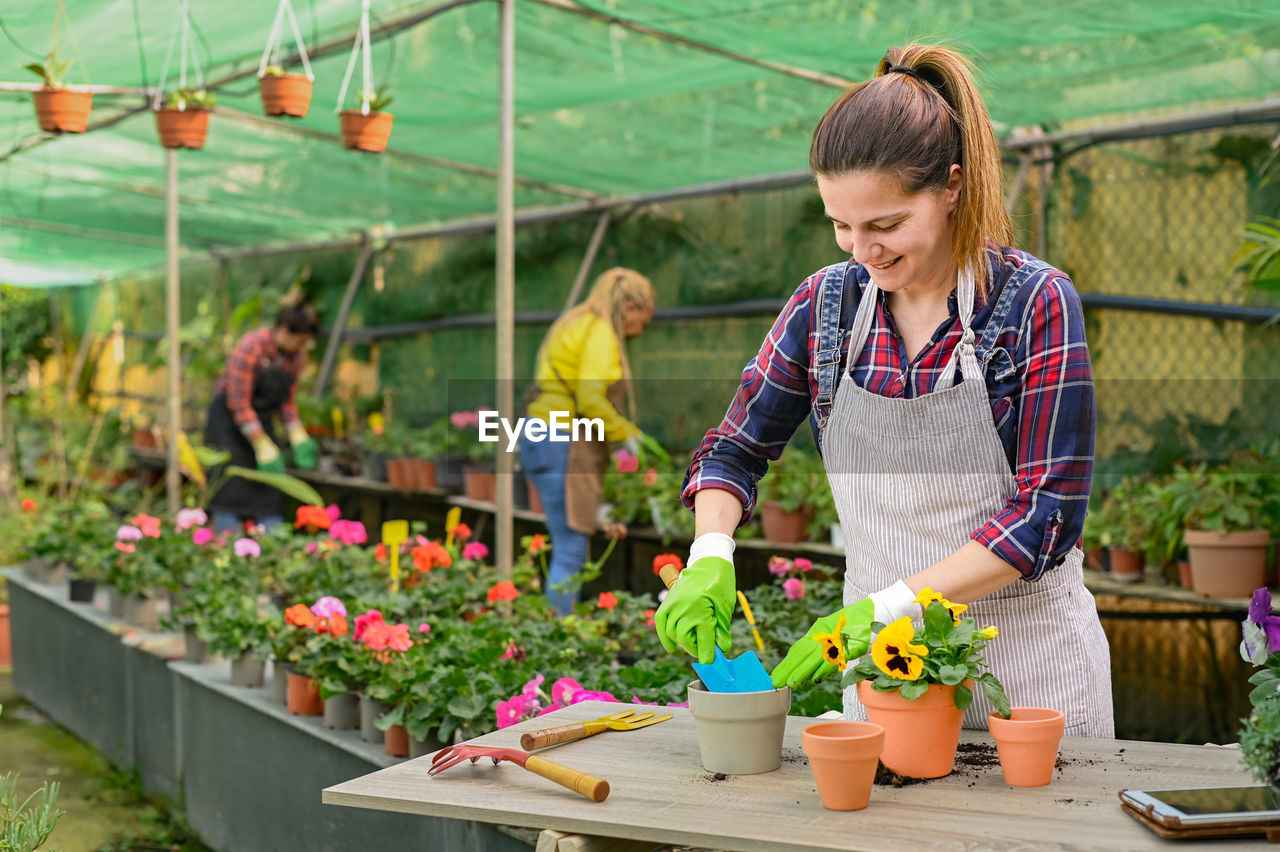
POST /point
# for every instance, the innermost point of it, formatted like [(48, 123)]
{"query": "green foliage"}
[(378, 100), (1260, 741), (51, 70), (27, 331), (795, 480), (191, 98), (290, 485), (1241, 495), (25, 826)]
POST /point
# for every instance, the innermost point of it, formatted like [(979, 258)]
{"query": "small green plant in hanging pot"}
[(284, 93), (371, 130), (59, 109), (183, 122)]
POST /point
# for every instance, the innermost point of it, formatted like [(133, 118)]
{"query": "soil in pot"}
[(739, 733)]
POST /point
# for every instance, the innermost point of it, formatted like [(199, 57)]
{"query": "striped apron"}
[(913, 478)]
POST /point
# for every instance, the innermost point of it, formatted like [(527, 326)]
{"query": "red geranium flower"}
[(462, 532), (663, 559), (29, 505), (537, 544), (312, 518), (607, 600), (503, 590)]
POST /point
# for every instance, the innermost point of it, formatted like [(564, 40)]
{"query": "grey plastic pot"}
[(342, 712), (739, 733), (279, 681), (371, 710), (196, 650), (248, 669)]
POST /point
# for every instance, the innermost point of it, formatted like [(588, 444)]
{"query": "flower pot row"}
[(349, 711)]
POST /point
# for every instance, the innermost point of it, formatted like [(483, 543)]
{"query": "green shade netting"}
[(601, 110)]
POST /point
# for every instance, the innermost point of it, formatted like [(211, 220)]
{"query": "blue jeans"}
[(545, 463), (224, 522)]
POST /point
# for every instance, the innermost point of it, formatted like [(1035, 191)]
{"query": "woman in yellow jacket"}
[(582, 372)]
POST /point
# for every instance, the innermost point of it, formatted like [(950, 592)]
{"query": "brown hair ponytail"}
[(920, 114)]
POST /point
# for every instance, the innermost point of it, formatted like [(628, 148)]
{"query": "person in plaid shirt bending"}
[(946, 379), (259, 381)]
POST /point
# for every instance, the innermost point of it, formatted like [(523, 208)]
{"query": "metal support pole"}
[(593, 248), (172, 304), (6, 489), (344, 312), (505, 274)]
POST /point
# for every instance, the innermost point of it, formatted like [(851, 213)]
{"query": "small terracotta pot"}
[(365, 132), (396, 741), (285, 94), (1028, 744), (62, 110), (186, 128), (782, 526), (843, 757), (480, 484), (920, 736), (1184, 574), (6, 637), (426, 473), (1093, 559), (1126, 565), (396, 474), (1227, 565), (304, 696)]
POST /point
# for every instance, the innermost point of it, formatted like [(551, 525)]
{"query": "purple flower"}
[(1261, 630), (247, 547)]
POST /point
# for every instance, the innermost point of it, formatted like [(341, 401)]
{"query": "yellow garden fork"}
[(624, 721)]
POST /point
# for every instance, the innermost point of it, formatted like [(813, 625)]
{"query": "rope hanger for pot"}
[(61, 16), (362, 43), (272, 50), (181, 33)]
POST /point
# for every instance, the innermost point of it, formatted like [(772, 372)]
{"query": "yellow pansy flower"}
[(833, 645), (988, 632), (895, 654), (928, 596)]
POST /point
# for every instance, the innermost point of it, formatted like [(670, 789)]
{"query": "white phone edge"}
[(1172, 817)]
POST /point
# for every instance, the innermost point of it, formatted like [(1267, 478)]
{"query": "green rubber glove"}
[(267, 455), (695, 614), (306, 455), (805, 662)]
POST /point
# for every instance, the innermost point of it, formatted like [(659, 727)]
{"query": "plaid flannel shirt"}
[(1039, 382), (253, 351)]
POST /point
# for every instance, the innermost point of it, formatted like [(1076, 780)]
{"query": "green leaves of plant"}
[(291, 485)]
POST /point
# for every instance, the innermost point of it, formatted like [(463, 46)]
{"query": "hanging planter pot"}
[(362, 132), (182, 120), (285, 94), (63, 110), (182, 128)]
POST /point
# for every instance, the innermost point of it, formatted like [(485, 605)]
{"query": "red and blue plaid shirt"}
[(253, 351), (1042, 408)]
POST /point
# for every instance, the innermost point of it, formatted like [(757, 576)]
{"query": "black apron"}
[(271, 387)]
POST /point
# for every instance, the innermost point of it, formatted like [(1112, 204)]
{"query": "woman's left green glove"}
[(807, 661), (306, 452)]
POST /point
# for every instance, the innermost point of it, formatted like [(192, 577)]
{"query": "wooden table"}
[(661, 794)]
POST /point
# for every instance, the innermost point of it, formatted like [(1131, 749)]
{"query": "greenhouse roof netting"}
[(614, 98)]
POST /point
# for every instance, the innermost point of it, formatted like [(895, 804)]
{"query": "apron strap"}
[(826, 358), (965, 290)]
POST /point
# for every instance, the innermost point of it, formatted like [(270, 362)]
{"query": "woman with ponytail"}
[(582, 371), (946, 379)]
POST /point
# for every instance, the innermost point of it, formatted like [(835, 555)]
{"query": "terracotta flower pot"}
[(920, 736), (6, 637), (285, 94), (480, 484), (62, 110), (843, 757), (397, 476), (739, 733), (1184, 575), (425, 470), (1028, 744), (1126, 565), (186, 128), (365, 132), (1227, 565), (782, 526), (304, 696), (396, 741)]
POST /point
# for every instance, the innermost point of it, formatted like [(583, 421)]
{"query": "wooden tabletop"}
[(661, 793)]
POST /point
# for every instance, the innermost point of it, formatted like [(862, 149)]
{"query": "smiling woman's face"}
[(903, 240)]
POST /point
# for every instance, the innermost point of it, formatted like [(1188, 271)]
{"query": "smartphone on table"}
[(1204, 807)]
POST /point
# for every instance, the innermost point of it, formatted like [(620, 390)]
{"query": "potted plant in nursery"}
[(1121, 526), (183, 122), (786, 495), (59, 109), (1226, 539), (368, 128), (284, 93), (326, 620), (237, 629), (1260, 730), (916, 682), (137, 572)]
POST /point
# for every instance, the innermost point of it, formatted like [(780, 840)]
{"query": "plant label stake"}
[(336, 414), (746, 610), (394, 534), (744, 674)]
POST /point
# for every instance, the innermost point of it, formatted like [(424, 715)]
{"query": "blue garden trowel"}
[(744, 674)]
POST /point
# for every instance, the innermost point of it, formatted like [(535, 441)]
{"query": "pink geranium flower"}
[(563, 690), (202, 536), (625, 462), (348, 532), (802, 564), (363, 622), (328, 606), (247, 547), (475, 551), (530, 689), (188, 518), (424, 628), (129, 533), (333, 512), (778, 566), (793, 589), (516, 709)]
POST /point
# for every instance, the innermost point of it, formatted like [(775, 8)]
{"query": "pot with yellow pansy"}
[(916, 681)]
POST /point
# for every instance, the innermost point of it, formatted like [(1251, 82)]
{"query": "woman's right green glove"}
[(806, 663), (695, 614)]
